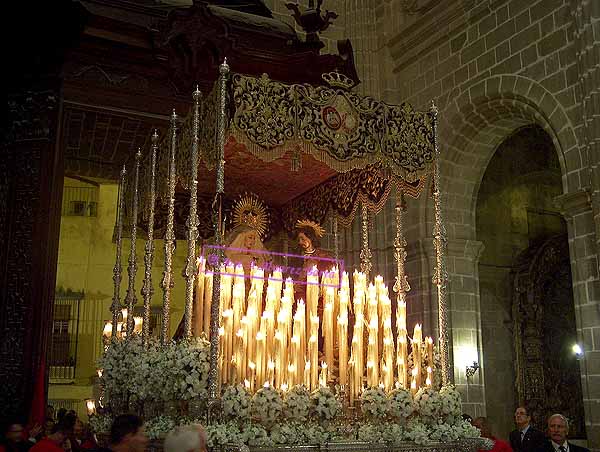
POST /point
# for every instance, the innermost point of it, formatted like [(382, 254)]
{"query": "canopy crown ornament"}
[(337, 80), (315, 227), (249, 211)]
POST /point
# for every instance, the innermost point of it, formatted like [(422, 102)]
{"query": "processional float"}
[(373, 151)]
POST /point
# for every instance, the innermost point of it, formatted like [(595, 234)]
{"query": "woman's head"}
[(245, 238)]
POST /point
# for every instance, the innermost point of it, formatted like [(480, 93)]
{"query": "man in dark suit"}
[(526, 438), (558, 428)]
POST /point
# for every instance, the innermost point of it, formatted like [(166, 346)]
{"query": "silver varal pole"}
[(401, 285), (365, 252), (440, 277), (167, 280), (130, 298), (147, 289), (213, 377), (190, 268), (115, 307)]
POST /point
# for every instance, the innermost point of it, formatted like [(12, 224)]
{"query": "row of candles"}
[(122, 326), (269, 338)]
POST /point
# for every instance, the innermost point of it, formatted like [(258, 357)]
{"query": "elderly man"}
[(558, 428), (525, 438), (188, 438)]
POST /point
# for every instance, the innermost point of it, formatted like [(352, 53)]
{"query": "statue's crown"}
[(338, 80)]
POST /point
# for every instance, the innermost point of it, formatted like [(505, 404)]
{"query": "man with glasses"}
[(525, 438)]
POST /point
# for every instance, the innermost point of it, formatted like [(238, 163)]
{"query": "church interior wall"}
[(491, 67), (515, 209)]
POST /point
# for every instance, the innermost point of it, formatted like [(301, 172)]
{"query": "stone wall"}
[(492, 67)]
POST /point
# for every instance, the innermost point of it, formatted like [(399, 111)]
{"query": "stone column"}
[(31, 180), (577, 210)]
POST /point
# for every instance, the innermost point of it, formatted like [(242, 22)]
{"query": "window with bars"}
[(62, 358)]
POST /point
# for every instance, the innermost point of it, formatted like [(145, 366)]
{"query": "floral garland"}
[(100, 423), (236, 402), (267, 405), (402, 405), (374, 403), (325, 405), (159, 427), (154, 372), (297, 403)]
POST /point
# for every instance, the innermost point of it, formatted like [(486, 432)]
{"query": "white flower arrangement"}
[(417, 432), (316, 434), (159, 427), (428, 404), (451, 406), (464, 429), (402, 405), (369, 433), (221, 434), (155, 372), (290, 433), (191, 365), (101, 423), (236, 402), (324, 404), (267, 405), (374, 402), (256, 435), (297, 403)]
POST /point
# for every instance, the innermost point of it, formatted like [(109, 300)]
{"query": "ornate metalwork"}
[(130, 298), (336, 244), (341, 128), (115, 307), (440, 276), (147, 289), (401, 285), (365, 252), (213, 377), (542, 303), (342, 194), (311, 20), (167, 280), (190, 267)]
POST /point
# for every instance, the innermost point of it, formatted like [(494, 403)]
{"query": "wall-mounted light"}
[(578, 351), (90, 406), (471, 369)]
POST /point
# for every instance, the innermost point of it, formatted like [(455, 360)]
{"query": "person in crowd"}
[(485, 428), (127, 434), (525, 438), (60, 414), (189, 438), (50, 413), (83, 436), (57, 441), (47, 430), (14, 439), (558, 429)]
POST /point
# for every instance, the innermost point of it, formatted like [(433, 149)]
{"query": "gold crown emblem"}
[(338, 80), (315, 227), (250, 211)]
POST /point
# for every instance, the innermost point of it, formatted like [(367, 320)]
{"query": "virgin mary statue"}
[(244, 244)]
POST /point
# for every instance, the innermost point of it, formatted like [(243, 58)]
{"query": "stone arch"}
[(474, 123)]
